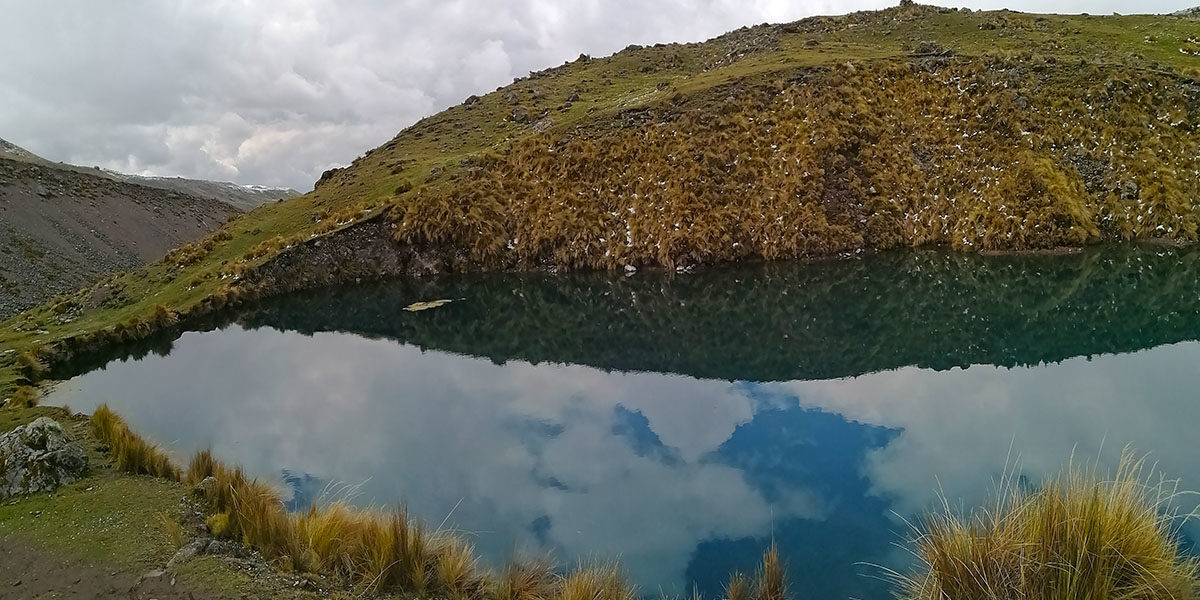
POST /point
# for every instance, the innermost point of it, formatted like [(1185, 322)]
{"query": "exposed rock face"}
[(38, 457), (519, 115), (362, 252)]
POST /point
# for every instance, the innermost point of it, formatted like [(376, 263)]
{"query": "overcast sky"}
[(275, 92)]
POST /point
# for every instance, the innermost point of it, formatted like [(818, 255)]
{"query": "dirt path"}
[(28, 573)]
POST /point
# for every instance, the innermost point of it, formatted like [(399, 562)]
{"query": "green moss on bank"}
[(105, 518), (112, 522)]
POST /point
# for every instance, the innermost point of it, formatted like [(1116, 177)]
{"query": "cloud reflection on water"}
[(674, 474)]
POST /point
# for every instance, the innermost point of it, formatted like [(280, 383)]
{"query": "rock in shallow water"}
[(38, 457)]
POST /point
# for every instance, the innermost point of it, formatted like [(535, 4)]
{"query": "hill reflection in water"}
[(682, 422)]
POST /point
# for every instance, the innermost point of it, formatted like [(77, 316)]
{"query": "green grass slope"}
[(915, 125)]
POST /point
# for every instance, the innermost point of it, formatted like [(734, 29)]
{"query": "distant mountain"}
[(63, 226), (15, 152), (242, 197)]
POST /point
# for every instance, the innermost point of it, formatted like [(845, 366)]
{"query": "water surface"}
[(681, 422)]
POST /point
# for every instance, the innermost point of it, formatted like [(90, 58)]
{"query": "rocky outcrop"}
[(39, 457), (365, 251)]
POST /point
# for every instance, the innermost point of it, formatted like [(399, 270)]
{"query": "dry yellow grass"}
[(131, 453), (172, 528), (387, 552), (1081, 536), (527, 580), (25, 397), (772, 578), (738, 587), (603, 582)]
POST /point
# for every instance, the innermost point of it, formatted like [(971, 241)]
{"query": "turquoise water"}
[(680, 422)]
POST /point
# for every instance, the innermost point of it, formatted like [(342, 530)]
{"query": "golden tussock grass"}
[(772, 577), (172, 528), (131, 453), (603, 582), (527, 579), (877, 155), (1081, 536), (382, 551), (738, 587), (25, 397), (31, 363)]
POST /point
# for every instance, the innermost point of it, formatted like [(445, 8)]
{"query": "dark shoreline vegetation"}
[(823, 319), (1082, 534)]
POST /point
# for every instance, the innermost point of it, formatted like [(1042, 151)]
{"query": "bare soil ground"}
[(27, 573)]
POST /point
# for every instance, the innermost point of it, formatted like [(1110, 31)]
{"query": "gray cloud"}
[(274, 93)]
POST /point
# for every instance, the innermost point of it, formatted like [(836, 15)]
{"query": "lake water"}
[(680, 422)]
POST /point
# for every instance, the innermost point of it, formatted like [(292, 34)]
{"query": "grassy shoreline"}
[(1081, 534)]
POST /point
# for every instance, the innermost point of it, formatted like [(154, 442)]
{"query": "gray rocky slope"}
[(241, 197), (65, 226)]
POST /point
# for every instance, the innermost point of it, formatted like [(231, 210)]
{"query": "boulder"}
[(193, 549), (206, 486), (39, 457), (519, 115)]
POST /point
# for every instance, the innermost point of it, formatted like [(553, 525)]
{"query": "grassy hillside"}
[(915, 125)]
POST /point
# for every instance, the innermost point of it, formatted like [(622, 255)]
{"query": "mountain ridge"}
[(242, 197), (61, 229)]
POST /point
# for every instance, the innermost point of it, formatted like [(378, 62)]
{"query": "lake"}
[(682, 421)]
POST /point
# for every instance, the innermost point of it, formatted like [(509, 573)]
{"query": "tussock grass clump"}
[(527, 580), (377, 551), (218, 524), (25, 397), (131, 453), (738, 587), (31, 363), (1081, 536), (381, 551), (772, 578), (173, 529), (605, 582)]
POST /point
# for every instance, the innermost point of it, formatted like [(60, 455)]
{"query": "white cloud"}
[(441, 431), (958, 426)]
